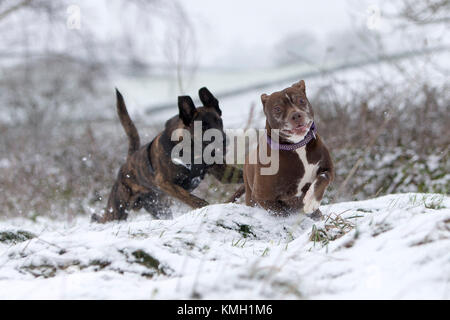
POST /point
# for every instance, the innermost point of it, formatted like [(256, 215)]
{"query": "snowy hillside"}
[(396, 246)]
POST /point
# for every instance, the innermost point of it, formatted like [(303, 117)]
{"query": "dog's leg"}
[(239, 192), (277, 207), (248, 192), (157, 204), (248, 199), (118, 203), (226, 173), (295, 203), (182, 194), (314, 195)]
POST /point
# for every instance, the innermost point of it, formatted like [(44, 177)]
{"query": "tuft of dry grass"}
[(335, 226)]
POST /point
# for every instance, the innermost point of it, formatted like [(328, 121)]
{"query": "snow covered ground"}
[(392, 247)]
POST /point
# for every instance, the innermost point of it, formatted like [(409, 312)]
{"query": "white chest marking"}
[(310, 170)]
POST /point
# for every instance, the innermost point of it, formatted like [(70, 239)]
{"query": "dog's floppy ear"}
[(300, 85), (186, 109), (208, 100), (264, 98)]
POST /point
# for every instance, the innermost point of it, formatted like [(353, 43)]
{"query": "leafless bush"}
[(67, 171), (409, 153), (50, 89), (425, 12), (417, 115)]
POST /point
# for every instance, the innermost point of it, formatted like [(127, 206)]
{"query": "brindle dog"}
[(149, 172)]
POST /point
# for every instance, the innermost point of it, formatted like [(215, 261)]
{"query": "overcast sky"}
[(246, 25), (241, 31)]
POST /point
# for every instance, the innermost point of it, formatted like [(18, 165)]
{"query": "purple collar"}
[(289, 147)]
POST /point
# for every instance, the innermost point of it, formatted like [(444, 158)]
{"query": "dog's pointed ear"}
[(186, 109), (300, 85), (264, 98), (208, 100)]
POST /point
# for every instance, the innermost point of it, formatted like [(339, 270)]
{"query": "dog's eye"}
[(301, 101), (276, 109)]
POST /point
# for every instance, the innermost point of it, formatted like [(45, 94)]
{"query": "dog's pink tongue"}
[(300, 129)]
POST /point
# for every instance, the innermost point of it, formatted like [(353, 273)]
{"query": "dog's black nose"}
[(296, 117)]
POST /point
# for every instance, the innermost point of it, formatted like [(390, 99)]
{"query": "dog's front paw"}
[(310, 204)]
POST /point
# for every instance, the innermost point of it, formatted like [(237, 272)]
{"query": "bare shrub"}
[(410, 154), (68, 171)]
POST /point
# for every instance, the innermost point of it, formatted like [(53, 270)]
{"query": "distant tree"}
[(297, 47), (57, 65), (351, 44), (425, 12)]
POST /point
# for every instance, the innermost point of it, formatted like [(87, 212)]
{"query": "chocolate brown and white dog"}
[(149, 172), (305, 166)]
